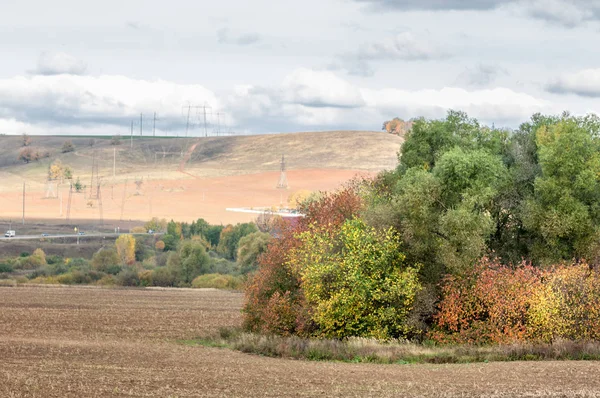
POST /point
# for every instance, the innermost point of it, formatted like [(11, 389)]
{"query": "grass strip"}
[(362, 350)]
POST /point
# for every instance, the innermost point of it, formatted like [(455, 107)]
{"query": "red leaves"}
[(489, 304), (274, 300)]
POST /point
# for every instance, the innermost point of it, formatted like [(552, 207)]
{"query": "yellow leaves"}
[(125, 245), (355, 280)]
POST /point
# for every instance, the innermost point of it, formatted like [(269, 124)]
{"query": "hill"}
[(217, 172)]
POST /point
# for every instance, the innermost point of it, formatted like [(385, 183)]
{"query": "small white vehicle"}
[(10, 234)]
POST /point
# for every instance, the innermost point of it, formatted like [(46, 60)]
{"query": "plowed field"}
[(84, 342)]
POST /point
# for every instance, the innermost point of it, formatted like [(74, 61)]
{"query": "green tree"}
[(249, 248), (106, 260), (194, 260), (230, 238), (565, 207)]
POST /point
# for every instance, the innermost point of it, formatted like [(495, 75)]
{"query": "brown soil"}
[(84, 342)]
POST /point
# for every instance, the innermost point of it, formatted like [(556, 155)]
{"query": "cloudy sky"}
[(72, 67)]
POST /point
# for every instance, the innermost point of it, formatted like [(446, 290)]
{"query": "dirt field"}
[(82, 342), (184, 199), (186, 179)]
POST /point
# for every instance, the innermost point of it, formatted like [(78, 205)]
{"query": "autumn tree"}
[(125, 245), (298, 197), (56, 170), (115, 140), (26, 155), (25, 140), (67, 147)]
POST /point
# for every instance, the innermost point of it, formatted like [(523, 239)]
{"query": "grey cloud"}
[(585, 83), (57, 63), (480, 75), (402, 47), (351, 65), (568, 13), (410, 5), (225, 36)]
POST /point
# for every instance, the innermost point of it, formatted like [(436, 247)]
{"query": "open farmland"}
[(85, 342), (203, 176)]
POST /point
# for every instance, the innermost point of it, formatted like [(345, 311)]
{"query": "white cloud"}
[(304, 100), (320, 89), (498, 105), (84, 101), (585, 83), (56, 63)]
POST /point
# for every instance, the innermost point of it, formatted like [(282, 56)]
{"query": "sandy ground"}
[(78, 342), (184, 199)]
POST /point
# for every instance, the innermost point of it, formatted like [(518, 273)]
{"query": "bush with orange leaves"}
[(275, 302), (493, 303)]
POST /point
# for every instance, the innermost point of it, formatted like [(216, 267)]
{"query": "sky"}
[(263, 66)]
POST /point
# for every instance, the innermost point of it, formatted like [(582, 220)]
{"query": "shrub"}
[(54, 259), (567, 306), (107, 280), (6, 268), (146, 278), (115, 140), (67, 147), (159, 245), (106, 260), (138, 230), (488, 304), (128, 277), (164, 277), (218, 281), (65, 279)]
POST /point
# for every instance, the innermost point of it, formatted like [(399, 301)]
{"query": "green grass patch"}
[(360, 350)]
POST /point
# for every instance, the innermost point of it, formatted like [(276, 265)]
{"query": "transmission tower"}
[(50, 189), (95, 183), (69, 204), (283, 183), (123, 200), (100, 205)]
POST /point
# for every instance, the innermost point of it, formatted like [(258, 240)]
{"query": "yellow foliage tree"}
[(55, 170), (298, 197), (125, 245)]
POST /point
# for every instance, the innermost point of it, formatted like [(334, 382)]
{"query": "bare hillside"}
[(205, 157)]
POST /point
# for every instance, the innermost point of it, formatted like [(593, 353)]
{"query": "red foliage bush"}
[(274, 301), (488, 304)]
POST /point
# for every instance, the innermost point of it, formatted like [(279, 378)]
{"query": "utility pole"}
[(187, 125), (205, 131), (23, 202), (131, 136), (141, 124), (218, 123), (154, 126), (114, 163)]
